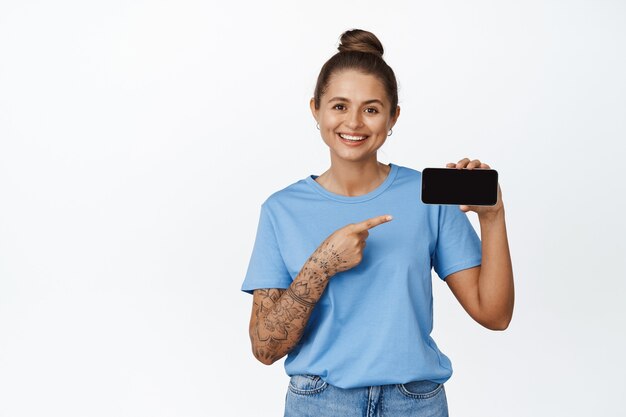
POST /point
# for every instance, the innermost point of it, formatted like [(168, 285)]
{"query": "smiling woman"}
[(354, 121), (355, 322)]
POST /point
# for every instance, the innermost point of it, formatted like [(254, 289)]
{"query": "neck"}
[(353, 178)]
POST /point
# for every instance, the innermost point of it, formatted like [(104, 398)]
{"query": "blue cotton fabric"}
[(372, 324)]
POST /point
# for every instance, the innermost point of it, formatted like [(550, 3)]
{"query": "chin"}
[(353, 156)]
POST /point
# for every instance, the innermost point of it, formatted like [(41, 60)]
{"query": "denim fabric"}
[(310, 396)]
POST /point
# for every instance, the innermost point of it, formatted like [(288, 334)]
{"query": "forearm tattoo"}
[(299, 299), (282, 315)]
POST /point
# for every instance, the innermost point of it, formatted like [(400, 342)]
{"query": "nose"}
[(354, 120)]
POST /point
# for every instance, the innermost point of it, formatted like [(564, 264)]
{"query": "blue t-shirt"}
[(373, 322)]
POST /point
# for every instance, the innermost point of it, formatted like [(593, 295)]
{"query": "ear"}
[(314, 111), (394, 119)]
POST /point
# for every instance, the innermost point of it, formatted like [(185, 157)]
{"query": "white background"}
[(138, 140)]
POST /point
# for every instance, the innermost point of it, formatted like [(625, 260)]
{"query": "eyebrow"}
[(374, 100)]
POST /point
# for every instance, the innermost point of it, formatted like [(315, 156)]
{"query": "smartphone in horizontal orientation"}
[(472, 187)]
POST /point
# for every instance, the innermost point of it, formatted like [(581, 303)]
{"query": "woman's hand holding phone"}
[(482, 211)]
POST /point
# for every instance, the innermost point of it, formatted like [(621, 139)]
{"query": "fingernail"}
[(389, 217)]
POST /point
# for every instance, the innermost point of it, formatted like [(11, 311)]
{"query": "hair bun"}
[(360, 41)]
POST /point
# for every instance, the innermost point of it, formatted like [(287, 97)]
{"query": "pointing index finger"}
[(373, 222)]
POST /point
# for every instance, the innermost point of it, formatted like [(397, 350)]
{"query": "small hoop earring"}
[(390, 132), (317, 126)]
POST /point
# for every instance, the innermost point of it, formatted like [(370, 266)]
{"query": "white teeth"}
[(355, 138)]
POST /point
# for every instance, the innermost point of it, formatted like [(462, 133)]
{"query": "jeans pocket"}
[(420, 389), (307, 384)]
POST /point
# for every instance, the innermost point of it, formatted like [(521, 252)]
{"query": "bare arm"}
[(279, 316), (486, 292)]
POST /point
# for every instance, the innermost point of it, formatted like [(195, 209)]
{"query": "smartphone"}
[(472, 187)]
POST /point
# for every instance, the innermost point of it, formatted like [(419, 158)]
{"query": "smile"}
[(352, 138)]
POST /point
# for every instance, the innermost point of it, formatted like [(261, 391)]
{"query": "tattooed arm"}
[(279, 316)]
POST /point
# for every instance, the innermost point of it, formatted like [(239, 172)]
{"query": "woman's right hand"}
[(343, 249), (279, 316)]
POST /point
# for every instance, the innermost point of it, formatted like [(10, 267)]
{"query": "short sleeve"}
[(458, 246), (266, 268)]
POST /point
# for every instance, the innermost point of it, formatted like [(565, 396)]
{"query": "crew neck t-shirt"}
[(372, 324)]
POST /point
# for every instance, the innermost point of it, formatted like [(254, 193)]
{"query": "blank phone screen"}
[(476, 187)]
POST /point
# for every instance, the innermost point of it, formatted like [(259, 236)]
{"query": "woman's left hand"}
[(482, 211)]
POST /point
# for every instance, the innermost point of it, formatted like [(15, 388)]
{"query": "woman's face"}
[(354, 115)]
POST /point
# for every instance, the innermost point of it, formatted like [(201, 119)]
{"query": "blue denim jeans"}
[(310, 396)]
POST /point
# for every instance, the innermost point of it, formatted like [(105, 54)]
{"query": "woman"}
[(355, 322)]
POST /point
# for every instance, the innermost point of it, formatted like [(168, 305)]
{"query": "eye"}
[(339, 107), (371, 110)]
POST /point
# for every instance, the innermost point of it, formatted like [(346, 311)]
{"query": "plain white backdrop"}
[(138, 140)]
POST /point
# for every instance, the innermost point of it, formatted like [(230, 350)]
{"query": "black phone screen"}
[(475, 187)]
